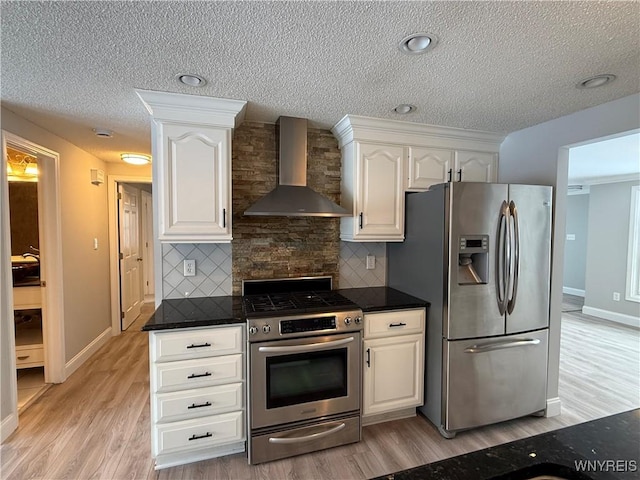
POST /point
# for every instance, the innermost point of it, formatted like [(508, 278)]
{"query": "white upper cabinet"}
[(376, 151), (428, 166), (191, 147), (379, 197), (476, 167)]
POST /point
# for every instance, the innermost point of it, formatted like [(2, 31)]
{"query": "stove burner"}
[(295, 302)]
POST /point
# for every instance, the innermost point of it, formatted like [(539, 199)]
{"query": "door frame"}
[(114, 262), (50, 218), (147, 240)]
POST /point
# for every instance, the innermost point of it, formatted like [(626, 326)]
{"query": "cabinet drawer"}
[(199, 402), (196, 343), (29, 357), (203, 372), (199, 433), (396, 322)]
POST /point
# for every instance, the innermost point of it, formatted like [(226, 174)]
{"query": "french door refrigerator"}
[(480, 254)]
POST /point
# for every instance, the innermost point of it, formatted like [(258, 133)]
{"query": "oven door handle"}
[(307, 438), (306, 348)]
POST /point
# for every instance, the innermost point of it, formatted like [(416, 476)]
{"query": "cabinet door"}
[(380, 199), (475, 167), (428, 166), (393, 373), (195, 183)]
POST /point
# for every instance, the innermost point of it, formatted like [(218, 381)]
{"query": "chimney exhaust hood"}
[(292, 197)]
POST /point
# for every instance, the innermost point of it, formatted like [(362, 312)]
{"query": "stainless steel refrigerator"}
[(480, 254)]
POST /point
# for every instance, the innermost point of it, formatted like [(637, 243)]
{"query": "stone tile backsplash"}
[(353, 264), (274, 247)]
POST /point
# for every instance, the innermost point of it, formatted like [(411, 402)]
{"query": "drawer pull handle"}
[(205, 374), (198, 437), (24, 357), (193, 345), (400, 324), (193, 405)]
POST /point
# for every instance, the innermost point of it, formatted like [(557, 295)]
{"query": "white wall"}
[(575, 259), (609, 212), (537, 155)]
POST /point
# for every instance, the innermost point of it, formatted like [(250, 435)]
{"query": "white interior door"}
[(130, 259)]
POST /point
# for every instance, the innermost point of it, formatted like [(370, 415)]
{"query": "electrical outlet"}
[(189, 268), (571, 236), (616, 296), (371, 262)]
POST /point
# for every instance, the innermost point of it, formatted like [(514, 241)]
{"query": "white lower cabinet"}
[(197, 391), (393, 379)]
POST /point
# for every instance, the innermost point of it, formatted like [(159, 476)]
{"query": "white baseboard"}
[(554, 407), (8, 426), (622, 318), (573, 291), (75, 363)]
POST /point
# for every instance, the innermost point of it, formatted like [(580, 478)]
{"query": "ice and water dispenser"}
[(473, 260)]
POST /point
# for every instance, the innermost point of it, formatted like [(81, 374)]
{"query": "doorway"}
[(33, 310), (131, 248), (598, 253)]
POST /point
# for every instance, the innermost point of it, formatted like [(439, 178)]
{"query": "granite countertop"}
[(196, 312), (212, 311), (609, 449), (372, 299)]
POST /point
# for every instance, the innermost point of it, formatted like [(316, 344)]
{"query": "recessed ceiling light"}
[(596, 81), (103, 132), (136, 158), (191, 80), (404, 108), (417, 43)]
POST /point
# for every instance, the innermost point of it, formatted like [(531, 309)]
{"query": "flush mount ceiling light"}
[(404, 108), (596, 81), (417, 43), (136, 158), (191, 80), (103, 132)]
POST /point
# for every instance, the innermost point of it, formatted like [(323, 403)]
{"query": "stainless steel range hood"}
[(292, 197)]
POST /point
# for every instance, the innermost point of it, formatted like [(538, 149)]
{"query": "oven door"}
[(304, 378)]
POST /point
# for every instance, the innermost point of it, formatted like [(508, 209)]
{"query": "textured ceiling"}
[(498, 66)]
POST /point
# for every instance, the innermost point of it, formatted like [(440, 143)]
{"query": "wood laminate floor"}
[(96, 424)]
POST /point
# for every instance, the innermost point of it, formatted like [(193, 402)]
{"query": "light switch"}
[(95, 243)]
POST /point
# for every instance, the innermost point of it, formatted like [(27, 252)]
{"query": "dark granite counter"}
[(603, 449), (196, 312), (371, 299)]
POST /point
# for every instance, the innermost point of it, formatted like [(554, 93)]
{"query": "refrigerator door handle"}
[(516, 258), (500, 345), (503, 258)]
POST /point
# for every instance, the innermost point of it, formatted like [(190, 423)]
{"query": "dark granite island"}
[(603, 449)]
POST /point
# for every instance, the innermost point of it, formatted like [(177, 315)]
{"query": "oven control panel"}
[(261, 329)]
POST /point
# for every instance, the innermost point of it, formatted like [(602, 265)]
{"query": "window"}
[(633, 255)]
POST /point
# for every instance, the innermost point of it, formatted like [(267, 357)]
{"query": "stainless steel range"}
[(304, 367)]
